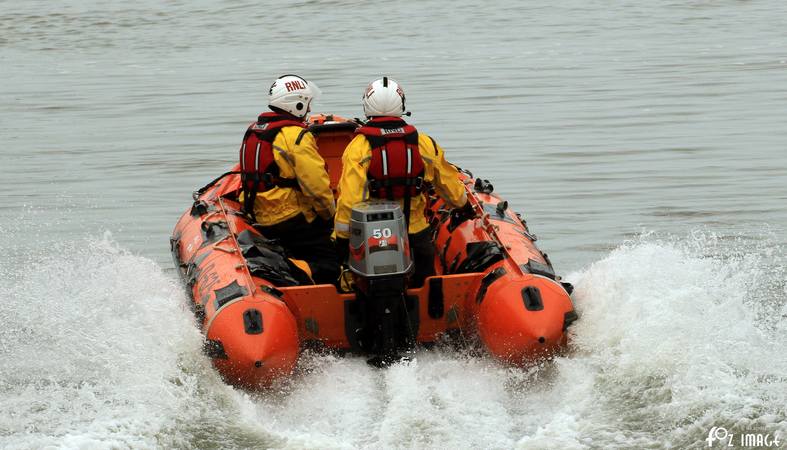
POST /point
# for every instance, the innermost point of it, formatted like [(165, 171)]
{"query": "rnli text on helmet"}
[(294, 85)]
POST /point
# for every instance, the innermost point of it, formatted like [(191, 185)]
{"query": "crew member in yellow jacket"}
[(389, 159), (285, 183)]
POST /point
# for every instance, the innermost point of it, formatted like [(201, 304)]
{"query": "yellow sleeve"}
[(445, 177), (312, 176), (352, 185)]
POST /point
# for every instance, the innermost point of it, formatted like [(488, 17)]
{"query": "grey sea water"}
[(643, 141)]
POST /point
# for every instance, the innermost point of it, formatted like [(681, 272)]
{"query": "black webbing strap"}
[(375, 141), (434, 144), (418, 182), (248, 202), (300, 136), (291, 183)]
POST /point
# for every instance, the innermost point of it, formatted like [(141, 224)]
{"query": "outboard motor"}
[(381, 265)]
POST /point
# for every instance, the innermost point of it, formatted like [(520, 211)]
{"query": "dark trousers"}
[(422, 250), (309, 242)]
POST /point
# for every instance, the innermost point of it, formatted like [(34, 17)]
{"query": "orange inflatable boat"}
[(258, 312)]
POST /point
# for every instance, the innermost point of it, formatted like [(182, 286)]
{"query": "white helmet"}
[(292, 94), (383, 97)]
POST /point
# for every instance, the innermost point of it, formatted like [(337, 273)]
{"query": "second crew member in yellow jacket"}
[(390, 159), (285, 183)]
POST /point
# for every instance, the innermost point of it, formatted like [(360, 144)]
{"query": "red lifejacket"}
[(396, 169), (258, 168)]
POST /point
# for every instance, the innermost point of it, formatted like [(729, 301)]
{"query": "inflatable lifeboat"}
[(257, 310)]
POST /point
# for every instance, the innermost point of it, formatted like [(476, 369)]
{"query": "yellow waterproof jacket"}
[(353, 186), (301, 161)]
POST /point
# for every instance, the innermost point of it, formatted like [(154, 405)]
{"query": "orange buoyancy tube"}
[(519, 307), (250, 334)]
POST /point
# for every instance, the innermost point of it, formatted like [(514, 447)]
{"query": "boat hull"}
[(492, 284)]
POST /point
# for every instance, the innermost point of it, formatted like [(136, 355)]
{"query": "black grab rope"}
[(195, 195)]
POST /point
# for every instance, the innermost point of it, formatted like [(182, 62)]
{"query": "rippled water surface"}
[(643, 141)]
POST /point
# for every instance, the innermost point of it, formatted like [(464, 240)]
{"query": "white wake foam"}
[(97, 350), (676, 335)]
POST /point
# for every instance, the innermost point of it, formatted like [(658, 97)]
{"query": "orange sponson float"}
[(492, 283)]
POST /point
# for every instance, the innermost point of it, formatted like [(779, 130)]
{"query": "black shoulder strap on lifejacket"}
[(300, 136)]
